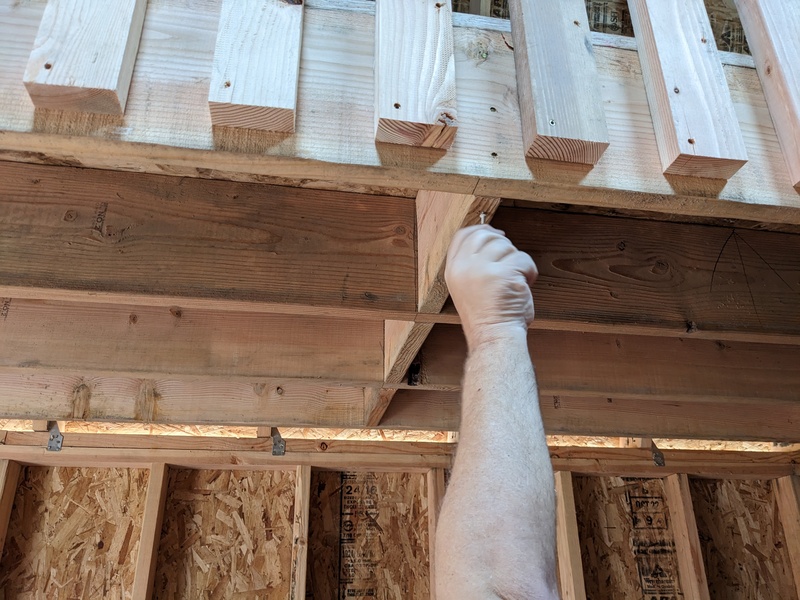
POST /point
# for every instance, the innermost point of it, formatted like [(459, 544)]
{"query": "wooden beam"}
[(30, 394), (686, 418), (568, 544), (658, 278), (691, 571), (257, 65), (83, 56), (696, 127), (121, 237), (302, 503), (156, 342), (151, 532), (415, 73), (787, 494), (167, 128), (436, 490), (557, 82), (620, 366), (9, 478), (771, 29)]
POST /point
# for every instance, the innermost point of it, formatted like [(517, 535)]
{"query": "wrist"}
[(498, 334)]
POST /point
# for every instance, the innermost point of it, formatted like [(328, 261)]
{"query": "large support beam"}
[(257, 65), (557, 81), (695, 123), (771, 29), (83, 56), (415, 73)]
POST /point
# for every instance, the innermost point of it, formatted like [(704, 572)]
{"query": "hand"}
[(489, 281)]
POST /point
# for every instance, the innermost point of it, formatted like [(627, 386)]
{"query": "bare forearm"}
[(498, 518)]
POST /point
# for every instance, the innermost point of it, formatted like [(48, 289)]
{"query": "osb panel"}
[(743, 545), (368, 536), (226, 534), (74, 533), (627, 545)]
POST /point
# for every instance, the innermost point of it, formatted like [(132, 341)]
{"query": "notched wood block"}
[(83, 56)]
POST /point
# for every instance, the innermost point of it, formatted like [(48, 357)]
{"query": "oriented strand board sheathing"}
[(226, 534), (74, 533), (742, 539), (368, 536), (627, 545)]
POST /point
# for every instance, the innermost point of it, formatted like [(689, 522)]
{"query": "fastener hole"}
[(677, 90), (577, 23), (48, 66), (227, 84), (704, 40), (691, 140), (494, 154), (439, 5), (493, 109), (552, 122), (397, 105)]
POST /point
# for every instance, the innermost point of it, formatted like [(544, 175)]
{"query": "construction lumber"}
[(744, 548), (436, 489), (135, 340), (771, 29), (691, 570), (659, 278), (83, 55), (257, 65), (687, 418), (167, 127), (787, 493), (696, 126), (9, 478), (29, 394), (557, 82), (415, 73), (568, 544), (302, 503), (151, 532), (181, 243)]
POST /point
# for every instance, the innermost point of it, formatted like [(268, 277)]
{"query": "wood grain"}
[(691, 570), (771, 29), (696, 126), (568, 544), (787, 493), (334, 145), (436, 490), (302, 503), (95, 233), (256, 65), (557, 82), (415, 78), (151, 532), (83, 56), (9, 478)]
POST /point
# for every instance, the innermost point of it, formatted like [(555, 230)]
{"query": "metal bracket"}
[(278, 443), (56, 439)]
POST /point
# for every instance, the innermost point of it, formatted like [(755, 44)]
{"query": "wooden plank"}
[(175, 242), (151, 532), (256, 65), (696, 126), (557, 82), (436, 490), (302, 503), (29, 394), (637, 276), (9, 478), (787, 493), (568, 545), (83, 56), (771, 29), (155, 342), (415, 73), (691, 570), (167, 128), (629, 366), (686, 418)]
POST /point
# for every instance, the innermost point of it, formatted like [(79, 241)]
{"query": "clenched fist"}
[(489, 281)]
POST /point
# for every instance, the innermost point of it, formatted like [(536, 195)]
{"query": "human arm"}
[(496, 531)]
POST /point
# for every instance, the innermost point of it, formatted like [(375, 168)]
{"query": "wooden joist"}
[(696, 127), (256, 65), (302, 499), (9, 477), (436, 491), (415, 75), (771, 29), (167, 127), (688, 551), (557, 82), (150, 532), (787, 494), (568, 544), (83, 56)]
